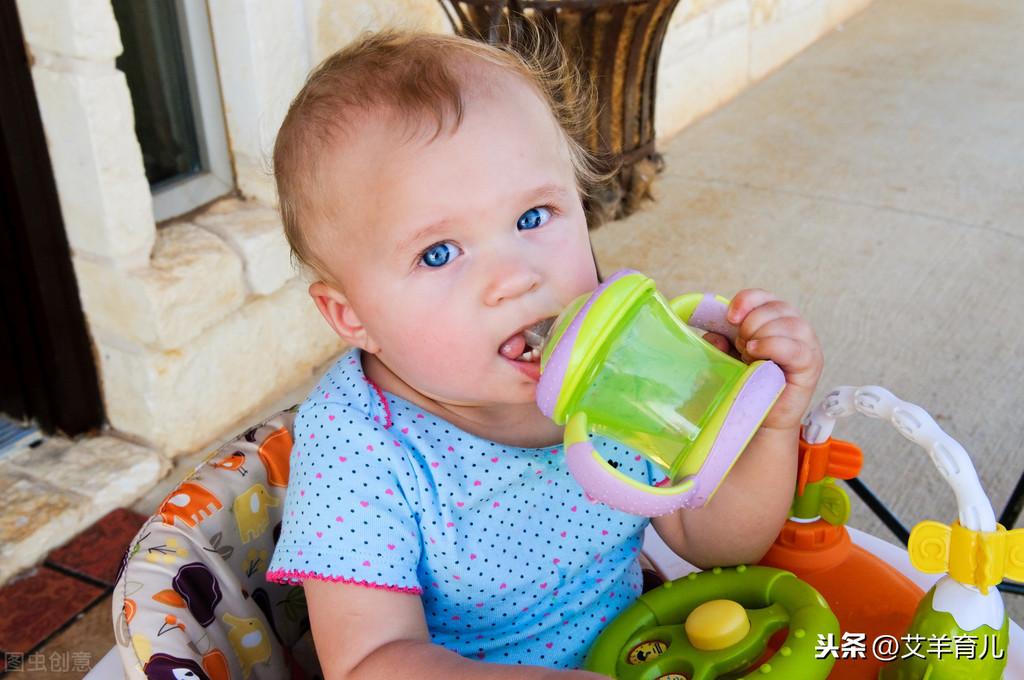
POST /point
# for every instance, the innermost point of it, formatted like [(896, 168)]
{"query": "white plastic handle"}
[(914, 423)]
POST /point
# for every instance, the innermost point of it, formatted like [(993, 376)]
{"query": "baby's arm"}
[(364, 632), (745, 515)]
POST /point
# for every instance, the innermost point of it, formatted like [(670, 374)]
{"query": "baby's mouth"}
[(528, 344)]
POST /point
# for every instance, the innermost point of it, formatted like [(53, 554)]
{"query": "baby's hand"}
[(772, 329)]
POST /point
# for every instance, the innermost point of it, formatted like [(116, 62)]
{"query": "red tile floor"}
[(56, 619)]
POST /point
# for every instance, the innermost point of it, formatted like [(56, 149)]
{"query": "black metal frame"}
[(1007, 518)]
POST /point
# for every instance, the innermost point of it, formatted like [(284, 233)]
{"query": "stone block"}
[(841, 10), (113, 472), (254, 176), (778, 36), (256, 234), (34, 517), (84, 29), (697, 84), (263, 56), (335, 24), (97, 163), (182, 399), (686, 10), (730, 15), (685, 37), (193, 280), (50, 493)]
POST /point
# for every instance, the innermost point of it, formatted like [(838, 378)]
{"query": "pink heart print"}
[(365, 504), (330, 417)]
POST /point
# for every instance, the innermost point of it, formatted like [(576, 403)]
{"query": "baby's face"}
[(447, 248)]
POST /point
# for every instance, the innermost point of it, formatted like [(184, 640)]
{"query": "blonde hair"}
[(416, 75)]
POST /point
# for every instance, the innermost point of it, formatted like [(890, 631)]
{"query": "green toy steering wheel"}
[(716, 623)]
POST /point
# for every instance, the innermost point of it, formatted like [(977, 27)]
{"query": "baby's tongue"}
[(513, 347)]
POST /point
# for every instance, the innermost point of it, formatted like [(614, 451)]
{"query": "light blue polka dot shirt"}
[(512, 562)]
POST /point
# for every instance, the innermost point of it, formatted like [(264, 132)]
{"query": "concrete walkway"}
[(877, 182)]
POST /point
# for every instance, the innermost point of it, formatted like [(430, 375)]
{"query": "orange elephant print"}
[(191, 503)]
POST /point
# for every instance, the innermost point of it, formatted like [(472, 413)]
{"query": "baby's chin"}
[(517, 396)]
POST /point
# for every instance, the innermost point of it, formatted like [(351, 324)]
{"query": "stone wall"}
[(199, 322), (714, 49)]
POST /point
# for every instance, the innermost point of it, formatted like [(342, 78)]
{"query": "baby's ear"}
[(336, 309)]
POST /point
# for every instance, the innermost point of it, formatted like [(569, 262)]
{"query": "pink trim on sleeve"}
[(295, 576)]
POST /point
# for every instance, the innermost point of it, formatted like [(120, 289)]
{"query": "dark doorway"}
[(47, 369)]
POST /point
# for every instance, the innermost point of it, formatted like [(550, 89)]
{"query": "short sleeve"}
[(347, 516)]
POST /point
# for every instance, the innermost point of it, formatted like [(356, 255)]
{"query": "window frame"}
[(175, 197)]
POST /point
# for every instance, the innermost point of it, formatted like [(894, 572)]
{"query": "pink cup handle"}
[(709, 315), (601, 482)]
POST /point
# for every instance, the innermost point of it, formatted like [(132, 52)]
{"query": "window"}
[(169, 64)]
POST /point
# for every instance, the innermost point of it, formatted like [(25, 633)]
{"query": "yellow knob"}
[(717, 624)]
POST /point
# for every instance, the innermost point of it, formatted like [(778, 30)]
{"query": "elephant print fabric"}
[(252, 512), (191, 602)]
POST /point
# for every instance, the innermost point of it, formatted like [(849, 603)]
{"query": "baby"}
[(433, 185)]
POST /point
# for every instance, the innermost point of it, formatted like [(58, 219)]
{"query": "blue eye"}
[(533, 218), (439, 254)]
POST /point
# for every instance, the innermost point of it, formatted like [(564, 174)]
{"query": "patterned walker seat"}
[(191, 600)]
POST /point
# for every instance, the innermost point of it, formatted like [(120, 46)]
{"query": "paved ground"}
[(876, 181)]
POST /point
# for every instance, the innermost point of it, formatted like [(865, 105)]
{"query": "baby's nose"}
[(509, 283)]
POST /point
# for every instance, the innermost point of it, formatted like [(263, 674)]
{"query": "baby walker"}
[(622, 362)]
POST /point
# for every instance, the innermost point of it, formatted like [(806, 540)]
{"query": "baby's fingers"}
[(745, 301), (763, 318), (720, 342), (799, 361)]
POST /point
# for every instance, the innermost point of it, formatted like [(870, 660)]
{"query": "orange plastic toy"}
[(866, 594)]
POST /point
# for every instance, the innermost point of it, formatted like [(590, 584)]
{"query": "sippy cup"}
[(623, 362)]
